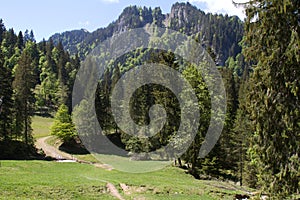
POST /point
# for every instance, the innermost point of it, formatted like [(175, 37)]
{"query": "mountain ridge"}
[(221, 33)]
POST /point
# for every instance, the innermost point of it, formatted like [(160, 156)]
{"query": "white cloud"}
[(110, 1), (222, 6)]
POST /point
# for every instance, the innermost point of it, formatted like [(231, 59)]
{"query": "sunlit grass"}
[(127, 165), (52, 180), (87, 157), (41, 126)]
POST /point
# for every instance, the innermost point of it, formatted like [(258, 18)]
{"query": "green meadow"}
[(54, 180)]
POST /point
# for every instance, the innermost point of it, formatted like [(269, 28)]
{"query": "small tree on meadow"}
[(63, 126)]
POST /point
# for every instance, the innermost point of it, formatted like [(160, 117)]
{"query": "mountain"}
[(70, 39), (221, 33)]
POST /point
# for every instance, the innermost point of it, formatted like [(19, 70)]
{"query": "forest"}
[(258, 59)]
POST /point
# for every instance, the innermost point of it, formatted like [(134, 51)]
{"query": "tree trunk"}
[(26, 125), (179, 162)]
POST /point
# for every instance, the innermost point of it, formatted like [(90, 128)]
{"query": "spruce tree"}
[(242, 130), (6, 92), (228, 155), (20, 41), (2, 30), (23, 84), (272, 40)]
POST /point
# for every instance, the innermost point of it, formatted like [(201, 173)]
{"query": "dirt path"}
[(113, 191), (51, 150), (60, 155)]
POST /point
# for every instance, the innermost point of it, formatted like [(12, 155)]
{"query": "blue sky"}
[(54, 16)]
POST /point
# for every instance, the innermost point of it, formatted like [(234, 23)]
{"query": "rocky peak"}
[(185, 13)]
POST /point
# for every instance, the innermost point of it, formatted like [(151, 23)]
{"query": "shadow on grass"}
[(44, 114), (18, 150), (73, 148)]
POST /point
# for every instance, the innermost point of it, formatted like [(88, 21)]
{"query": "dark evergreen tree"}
[(2, 30), (272, 42), (243, 130), (31, 36), (26, 35), (24, 83), (20, 41), (6, 92), (49, 57), (228, 155), (10, 40)]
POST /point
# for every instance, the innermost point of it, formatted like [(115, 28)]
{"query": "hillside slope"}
[(221, 33)]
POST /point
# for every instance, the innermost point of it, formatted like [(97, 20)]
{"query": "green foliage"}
[(226, 150), (260, 140), (35, 78), (6, 92), (243, 130), (63, 126), (23, 84), (272, 43), (197, 82)]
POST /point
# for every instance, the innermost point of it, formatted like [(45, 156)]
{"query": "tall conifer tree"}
[(272, 40), (24, 83)]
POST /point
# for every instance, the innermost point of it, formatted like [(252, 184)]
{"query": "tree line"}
[(35, 79), (259, 145)]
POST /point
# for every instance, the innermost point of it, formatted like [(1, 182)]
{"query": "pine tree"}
[(9, 42), (115, 78), (50, 58), (102, 101), (31, 36), (208, 164), (2, 30), (20, 41), (47, 90), (242, 130), (6, 92), (26, 35), (24, 83), (228, 156), (272, 40), (71, 71)]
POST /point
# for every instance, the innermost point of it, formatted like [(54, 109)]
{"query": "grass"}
[(53, 180), (48, 180), (126, 165), (86, 157), (41, 126)]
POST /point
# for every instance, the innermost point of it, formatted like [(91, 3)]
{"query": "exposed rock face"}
[(221, 33)]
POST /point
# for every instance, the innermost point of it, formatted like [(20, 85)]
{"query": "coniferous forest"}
[(258, 58)]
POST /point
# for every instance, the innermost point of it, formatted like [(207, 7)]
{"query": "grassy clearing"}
[(127, 165), (41, 126), (52, 180)]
